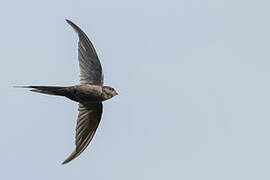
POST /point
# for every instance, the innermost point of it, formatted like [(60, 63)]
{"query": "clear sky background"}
[(193, 78)]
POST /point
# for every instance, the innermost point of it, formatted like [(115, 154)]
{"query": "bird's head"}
[(108, 92)]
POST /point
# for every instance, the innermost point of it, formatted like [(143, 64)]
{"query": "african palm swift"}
[(89, 93)]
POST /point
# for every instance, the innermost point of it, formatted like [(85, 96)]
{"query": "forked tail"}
[(52, 90)]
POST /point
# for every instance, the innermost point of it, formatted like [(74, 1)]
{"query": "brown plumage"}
[(90, 93)]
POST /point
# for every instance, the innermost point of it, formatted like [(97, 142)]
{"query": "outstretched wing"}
[(87, 123), (90, 67)]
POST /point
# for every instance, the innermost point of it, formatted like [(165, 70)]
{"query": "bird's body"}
[(82, 93), (89, 93)]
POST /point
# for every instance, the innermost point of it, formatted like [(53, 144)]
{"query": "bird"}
[(89, 92)]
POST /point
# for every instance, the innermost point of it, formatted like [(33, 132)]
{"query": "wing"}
[(90, 67), (87, 123)]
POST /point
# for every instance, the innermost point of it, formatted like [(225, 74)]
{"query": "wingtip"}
[(72, 156), (70, 22), (75, 27), (64, 162), (67, 20)]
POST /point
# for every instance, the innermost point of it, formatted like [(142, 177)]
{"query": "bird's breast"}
[(88, 93)]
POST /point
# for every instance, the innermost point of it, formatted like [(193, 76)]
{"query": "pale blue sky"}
[(193, 78)]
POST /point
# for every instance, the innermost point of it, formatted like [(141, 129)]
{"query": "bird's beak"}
[(116, 93)]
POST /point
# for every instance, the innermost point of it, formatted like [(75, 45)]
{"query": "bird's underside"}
[(89, 93)]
